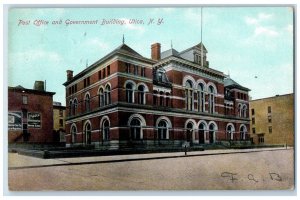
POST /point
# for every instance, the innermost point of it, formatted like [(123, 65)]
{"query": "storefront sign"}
[(14, 120), (34, 120)]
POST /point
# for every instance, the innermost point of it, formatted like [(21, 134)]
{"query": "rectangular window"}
[(270, 129), (143, 71), (108, 70), (269, 119), (75, 87), (261, 139), (99, 75), (154, 100), (104, 73), (161, 100), (269, 109), (86, 82), (25, 99), (253, 120), (167, 102), (252, 111), (61, 122), (127, 67), (70, 90), (253, 130), (135, 70)]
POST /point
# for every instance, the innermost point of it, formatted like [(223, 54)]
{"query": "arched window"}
[(201, 98), (101, 97), (73, 133), (189, 95), (211, 99), (141, 94), (244, 112), (167, 99), (163, 132), (161, 98), (105, 130), (88, 133), (107, 97), (75, 105), (202, 128), (243, 132), (229, 132), (136, 129), (189, 132), (212, 133), (129, 93), (87, 102), (240, 110)]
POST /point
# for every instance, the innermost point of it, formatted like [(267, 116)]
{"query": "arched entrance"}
[(136, 129), (212, 133), (202, 128), (243, 131), (229, 132), (189, 132)]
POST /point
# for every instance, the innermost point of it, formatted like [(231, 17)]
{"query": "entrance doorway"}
[(201, 133)]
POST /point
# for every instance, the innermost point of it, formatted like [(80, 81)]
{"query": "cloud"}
[(258, 23), (36, 55), (262, 33), (260, 18), (267, 31), (95, 43)]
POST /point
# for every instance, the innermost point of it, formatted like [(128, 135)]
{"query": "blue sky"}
[(246, 42)]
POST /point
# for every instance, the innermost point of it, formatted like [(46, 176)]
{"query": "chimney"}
[(39, 85), (155, 51), (69, 75)]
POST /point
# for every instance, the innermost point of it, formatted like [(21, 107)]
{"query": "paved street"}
[(212, 169)]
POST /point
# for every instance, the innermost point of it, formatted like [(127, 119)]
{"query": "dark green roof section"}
[(229, 83), (127, 49)]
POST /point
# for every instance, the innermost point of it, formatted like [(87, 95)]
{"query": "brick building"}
[(30, 114), (59, 117), (173, 99), (272, 120)]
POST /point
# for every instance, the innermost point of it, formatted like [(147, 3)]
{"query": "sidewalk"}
[(17, 161)]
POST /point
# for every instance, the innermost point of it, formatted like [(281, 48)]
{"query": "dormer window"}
[(197, 58)]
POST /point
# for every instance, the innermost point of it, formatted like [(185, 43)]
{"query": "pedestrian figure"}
[(185, 150)]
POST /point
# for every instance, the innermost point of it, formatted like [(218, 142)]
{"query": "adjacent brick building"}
[(30, 114), (272, 120), (173, 99), (59, 117)]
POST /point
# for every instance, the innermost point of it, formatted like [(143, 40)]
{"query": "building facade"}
[(59, 117), (30, 114), (272, 120), (173, 99)]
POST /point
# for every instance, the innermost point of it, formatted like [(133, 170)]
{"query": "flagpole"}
[(201, 40)]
